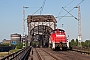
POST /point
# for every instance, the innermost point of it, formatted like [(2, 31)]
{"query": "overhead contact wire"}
[(72, 9), (65, 6), (37, 11), (42, 7)]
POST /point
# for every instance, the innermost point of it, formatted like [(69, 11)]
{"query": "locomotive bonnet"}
[(58, 39)]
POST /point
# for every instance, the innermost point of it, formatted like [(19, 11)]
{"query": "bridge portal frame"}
[(36, 20)]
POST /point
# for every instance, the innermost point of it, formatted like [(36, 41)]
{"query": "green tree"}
[(83, 44), (76, 42), (19, 46), (26, 44), (4, 44), (87, 43), (73, 43)]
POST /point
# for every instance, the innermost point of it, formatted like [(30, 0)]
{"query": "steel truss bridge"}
[(39, 28)]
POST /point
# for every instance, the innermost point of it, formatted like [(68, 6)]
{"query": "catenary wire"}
[(71, 9)]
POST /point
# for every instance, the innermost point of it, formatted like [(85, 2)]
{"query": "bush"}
[(4, 44), (19, 46), (14, 50)]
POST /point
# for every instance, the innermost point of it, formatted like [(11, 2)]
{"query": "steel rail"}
[(38, 54), (50, 54)]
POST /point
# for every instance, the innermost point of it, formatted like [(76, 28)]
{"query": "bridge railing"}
[(19, 55)]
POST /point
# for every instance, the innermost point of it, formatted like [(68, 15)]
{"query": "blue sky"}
[(11, 16)]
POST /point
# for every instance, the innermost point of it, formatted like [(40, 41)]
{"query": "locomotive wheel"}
[(64, 48), (50, 45)]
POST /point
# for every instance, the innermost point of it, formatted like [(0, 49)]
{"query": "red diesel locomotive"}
[(58, 39)]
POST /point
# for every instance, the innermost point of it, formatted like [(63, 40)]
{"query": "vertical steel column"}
[(79, 27), (29, 37), (23, 27)]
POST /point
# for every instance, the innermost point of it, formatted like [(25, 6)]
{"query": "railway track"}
[(45, 55), (49, 54), (69, 55)]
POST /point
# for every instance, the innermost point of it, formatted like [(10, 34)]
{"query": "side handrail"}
[(19, 55)]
